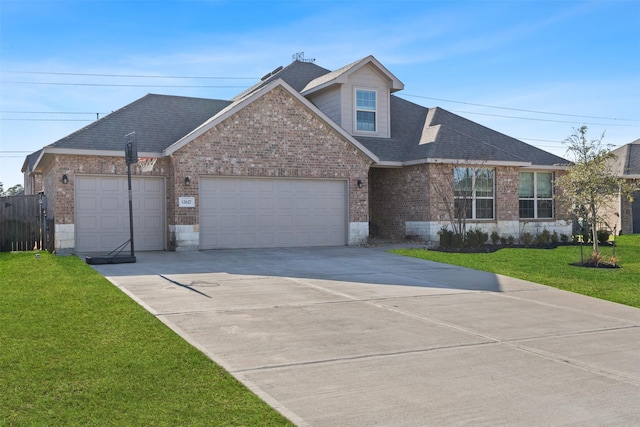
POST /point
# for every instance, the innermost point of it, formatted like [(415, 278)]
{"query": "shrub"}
[(526, 239), (476, 238), (603, 236), (503, 240), (511, 240), (554, 237), (446, 237), (543, 238), (457, 241), (495, 237), (564, 238)]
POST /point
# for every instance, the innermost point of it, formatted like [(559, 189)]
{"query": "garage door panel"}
[(102, 213), (109, 223), (267, 212), (108, 184)]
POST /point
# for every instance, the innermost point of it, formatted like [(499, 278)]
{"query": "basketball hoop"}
[(146, 164)]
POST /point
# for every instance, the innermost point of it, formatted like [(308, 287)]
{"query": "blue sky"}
[(533, 69)]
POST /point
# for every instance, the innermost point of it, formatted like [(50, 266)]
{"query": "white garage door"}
[(264, 212), (102, 213)]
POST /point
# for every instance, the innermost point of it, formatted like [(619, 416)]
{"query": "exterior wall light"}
[(359, 184), (65, 179), (187, 181)]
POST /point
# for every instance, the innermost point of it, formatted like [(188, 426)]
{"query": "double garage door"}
[(102, 213), (264, 212), (234, 213)]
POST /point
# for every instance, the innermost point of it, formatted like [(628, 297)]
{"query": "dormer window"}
[(366, 110)]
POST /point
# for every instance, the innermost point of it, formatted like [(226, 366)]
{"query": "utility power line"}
[(120, 85), (545, 120), (521, 109), (134, 75)]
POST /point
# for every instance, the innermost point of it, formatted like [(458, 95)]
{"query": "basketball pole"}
[(130, 208), (113, 257), (131, 156)]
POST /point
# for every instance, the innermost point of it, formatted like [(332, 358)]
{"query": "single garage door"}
[(265, 212), (102, 213)]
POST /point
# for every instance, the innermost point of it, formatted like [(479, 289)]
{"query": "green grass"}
[(75, 350), (551, 267)]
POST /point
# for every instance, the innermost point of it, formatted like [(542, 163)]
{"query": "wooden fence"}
[(24, 225)]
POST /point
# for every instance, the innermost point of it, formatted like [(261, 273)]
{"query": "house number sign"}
[(187, 202)]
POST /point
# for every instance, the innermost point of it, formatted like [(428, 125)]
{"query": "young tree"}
[(589, 186), (453, 188)]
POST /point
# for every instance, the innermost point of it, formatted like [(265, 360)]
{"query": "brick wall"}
[(423, 194), (274, 136), (60, 197), (507, 194)]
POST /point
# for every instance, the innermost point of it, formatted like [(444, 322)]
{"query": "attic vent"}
[(266, 76), (300, 57)]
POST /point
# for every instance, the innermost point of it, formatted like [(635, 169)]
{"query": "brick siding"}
[(274, 136)]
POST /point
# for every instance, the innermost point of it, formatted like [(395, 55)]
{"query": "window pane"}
[(366, 121), (366, 100), (544, 184), (545, 208), (462, 182), (484, 183), (525, 186), (463, 208), (526, 209), (484, 208)]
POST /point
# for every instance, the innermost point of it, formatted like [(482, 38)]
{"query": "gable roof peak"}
[(341, 75)]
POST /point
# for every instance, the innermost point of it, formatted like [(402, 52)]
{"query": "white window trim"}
[(535, 197), (355, 110), (474, 197)]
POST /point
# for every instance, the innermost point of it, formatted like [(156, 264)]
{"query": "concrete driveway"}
[(352, 336)]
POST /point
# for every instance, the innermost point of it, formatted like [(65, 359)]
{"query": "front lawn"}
[(552, 267), (75, 350)]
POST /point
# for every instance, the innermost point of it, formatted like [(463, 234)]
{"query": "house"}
[(305, 157), (626, 164)]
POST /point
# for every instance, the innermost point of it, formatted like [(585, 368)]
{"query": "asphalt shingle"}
[(417, 133), (157, 120)]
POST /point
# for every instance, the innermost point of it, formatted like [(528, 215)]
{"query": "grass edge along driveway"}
[(552, 267), (75, 350)]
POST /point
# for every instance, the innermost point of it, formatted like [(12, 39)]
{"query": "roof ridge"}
[(273, 76)]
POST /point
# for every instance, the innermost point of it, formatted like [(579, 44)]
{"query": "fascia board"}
[(388, 164), (322, 86), (25, 165), (548, 167), (87, 152), (470, 162), (213, 121), (396, 83), (224, 114), (343, 78)]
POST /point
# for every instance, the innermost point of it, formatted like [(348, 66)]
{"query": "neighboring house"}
[(627, 165), (306, 157)]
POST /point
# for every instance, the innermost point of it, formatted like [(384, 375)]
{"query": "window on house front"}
[(536, 194), (366, 110), (474, 193)]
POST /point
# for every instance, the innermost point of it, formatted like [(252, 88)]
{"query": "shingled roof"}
[(627, 160), (158, 121), (297, 75), (418, 134)]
